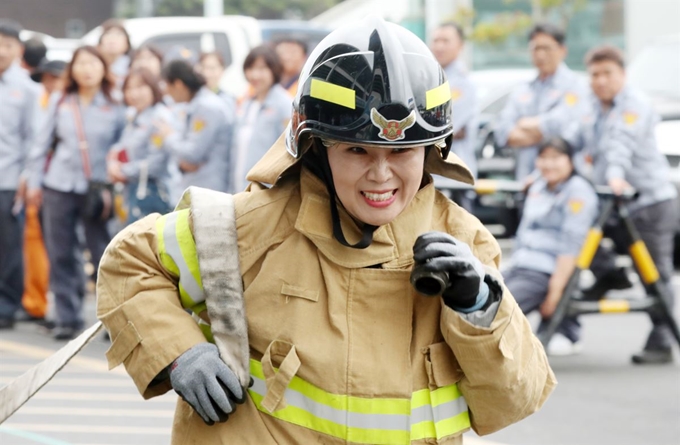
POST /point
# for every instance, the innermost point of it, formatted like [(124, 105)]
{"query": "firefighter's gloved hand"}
[(441, 252), (205, 382)]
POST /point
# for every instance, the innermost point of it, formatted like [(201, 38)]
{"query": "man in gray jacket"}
[(18, 114), (619, 150)]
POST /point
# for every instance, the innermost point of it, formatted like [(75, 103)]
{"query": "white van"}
[(232, 36)]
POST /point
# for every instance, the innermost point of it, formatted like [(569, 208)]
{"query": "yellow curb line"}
[(39, 353)]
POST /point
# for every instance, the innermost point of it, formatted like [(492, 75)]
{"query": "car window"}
[(195, 42)]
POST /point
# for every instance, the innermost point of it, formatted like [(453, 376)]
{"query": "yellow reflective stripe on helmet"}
[(428, 414), (332, 93), (437, 96), (178, 254)]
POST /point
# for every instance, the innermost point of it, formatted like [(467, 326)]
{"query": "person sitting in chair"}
[(559, 210)]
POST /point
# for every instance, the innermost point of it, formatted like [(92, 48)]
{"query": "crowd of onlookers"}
[(114, 135), (119, 133)]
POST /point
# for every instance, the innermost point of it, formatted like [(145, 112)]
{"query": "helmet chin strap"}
[(316, 160)]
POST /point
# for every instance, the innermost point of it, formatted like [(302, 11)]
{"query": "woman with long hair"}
[(82, 125), (139, 159), (115, 47)]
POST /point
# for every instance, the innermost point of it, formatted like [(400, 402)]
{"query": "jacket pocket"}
[(126, 341), (277, 379), (441, 366), (295, 291)]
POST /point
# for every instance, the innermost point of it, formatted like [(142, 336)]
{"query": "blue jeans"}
[(155, 200)]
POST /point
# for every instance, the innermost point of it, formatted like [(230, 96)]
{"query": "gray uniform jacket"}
[(559, 100), (103, 122), (143, 144), (465, 114), (19, 115), (554, 223), (204, 141), (621, 143), (272, 117)]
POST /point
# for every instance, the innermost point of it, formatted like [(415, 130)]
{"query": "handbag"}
[(99, 196)]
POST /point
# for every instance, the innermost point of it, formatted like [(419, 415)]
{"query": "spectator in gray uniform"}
[(211, 66), (560, 208), (115, 46), (447, 46), (85, 110), (619, 149), (201, 147), (19, 100), (263, 116), (544, 107), (139, 159), (34, 53)]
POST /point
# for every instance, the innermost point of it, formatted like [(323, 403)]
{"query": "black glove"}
[(205, 382), (440, 252)]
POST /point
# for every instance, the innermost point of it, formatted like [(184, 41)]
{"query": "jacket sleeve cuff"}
[(480, 302), (138, 302)]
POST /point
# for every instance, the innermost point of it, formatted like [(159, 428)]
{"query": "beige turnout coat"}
[(349, 330)]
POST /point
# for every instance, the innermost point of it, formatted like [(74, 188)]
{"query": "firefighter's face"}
[(376, 184)]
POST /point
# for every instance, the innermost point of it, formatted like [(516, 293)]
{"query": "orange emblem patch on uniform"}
[(630, 118), (157, 140), (199, 125), (575, 205), (571, 99), (455, 94)]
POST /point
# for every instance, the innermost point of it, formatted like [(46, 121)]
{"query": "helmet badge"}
[(392, 130)]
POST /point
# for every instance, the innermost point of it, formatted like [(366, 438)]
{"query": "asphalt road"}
[(601, 399)]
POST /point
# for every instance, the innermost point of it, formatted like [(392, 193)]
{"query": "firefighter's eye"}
[(356, 150), (401, 150)]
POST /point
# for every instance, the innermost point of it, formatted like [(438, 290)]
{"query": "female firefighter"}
[(339, 212)]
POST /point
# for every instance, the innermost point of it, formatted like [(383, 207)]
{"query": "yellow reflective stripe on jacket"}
[(429, 414), (177, 252)]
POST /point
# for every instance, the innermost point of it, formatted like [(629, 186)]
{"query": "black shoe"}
[(615, 279), (653, 357), (64, 333), (23, 316), (6, 323)]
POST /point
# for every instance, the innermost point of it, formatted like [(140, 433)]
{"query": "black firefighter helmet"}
[(373, 83)]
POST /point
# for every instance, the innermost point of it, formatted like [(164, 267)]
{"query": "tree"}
[(518, 21), (262, 9)]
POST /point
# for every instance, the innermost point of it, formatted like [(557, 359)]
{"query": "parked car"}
[(231, 35)]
